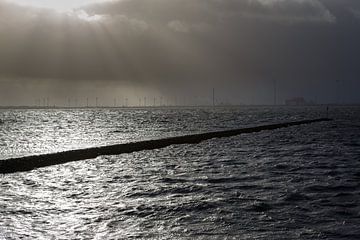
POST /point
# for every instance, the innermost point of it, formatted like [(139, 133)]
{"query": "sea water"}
[(301, 182)]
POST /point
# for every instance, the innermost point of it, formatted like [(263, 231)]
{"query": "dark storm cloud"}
[(295, 41)]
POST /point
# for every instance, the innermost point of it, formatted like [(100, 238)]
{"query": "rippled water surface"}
[(301, 182)]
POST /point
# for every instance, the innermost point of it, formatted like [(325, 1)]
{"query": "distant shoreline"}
[(171, 107)]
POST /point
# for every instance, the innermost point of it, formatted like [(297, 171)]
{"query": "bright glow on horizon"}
[(59, 5)]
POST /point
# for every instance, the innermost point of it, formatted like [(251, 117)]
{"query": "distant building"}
[(298, 101)]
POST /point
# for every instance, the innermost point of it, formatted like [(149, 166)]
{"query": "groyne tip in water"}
[(33, 162)]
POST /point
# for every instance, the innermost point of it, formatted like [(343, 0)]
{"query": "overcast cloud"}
[(300, 43)]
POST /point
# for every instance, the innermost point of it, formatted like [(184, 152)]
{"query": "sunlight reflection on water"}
[(27, 132), (295, 183)]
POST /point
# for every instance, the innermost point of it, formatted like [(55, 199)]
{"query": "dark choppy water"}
[(297, 183)]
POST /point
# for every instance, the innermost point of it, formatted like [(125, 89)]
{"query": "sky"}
[(180, 49)]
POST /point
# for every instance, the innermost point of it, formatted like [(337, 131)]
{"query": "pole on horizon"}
[(213, 97), (275, 92)]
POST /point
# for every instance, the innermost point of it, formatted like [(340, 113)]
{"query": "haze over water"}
[(295, 183)]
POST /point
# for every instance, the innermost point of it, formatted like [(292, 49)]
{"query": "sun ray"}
[(63, 5)]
